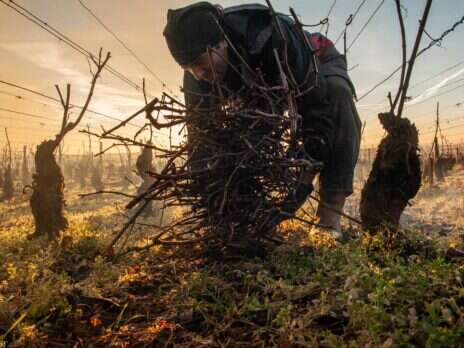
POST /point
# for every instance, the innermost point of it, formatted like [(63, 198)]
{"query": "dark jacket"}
[(252, 30)]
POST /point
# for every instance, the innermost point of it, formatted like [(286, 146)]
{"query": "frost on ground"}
[(436, 211), (439, 210)]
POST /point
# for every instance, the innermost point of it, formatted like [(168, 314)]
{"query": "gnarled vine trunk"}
[(7, 184), (47, 198), (395, 177)]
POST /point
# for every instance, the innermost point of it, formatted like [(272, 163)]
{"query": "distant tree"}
[(96, 178), (144, 166), (26, 174), (7, 184)]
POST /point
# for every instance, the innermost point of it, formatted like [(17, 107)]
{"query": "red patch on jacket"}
[(320, 44)]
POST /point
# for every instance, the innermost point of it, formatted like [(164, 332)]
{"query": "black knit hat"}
[(190, 30)]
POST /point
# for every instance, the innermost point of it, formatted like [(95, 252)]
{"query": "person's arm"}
[(314, 106), (198, 97), (317, 128)]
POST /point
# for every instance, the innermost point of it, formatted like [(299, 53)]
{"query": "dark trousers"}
[(338, 173)]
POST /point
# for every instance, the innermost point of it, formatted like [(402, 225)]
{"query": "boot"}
[(328, 218)]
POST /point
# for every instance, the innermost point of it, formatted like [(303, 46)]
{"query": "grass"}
[(307, 293)]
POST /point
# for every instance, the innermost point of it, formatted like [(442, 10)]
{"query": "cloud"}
[(48, 56), (434, 89)]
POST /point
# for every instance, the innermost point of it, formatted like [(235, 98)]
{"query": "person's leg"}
[(328, 211), (336, 179)]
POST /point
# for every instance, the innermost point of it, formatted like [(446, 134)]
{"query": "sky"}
[(33, 58)]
